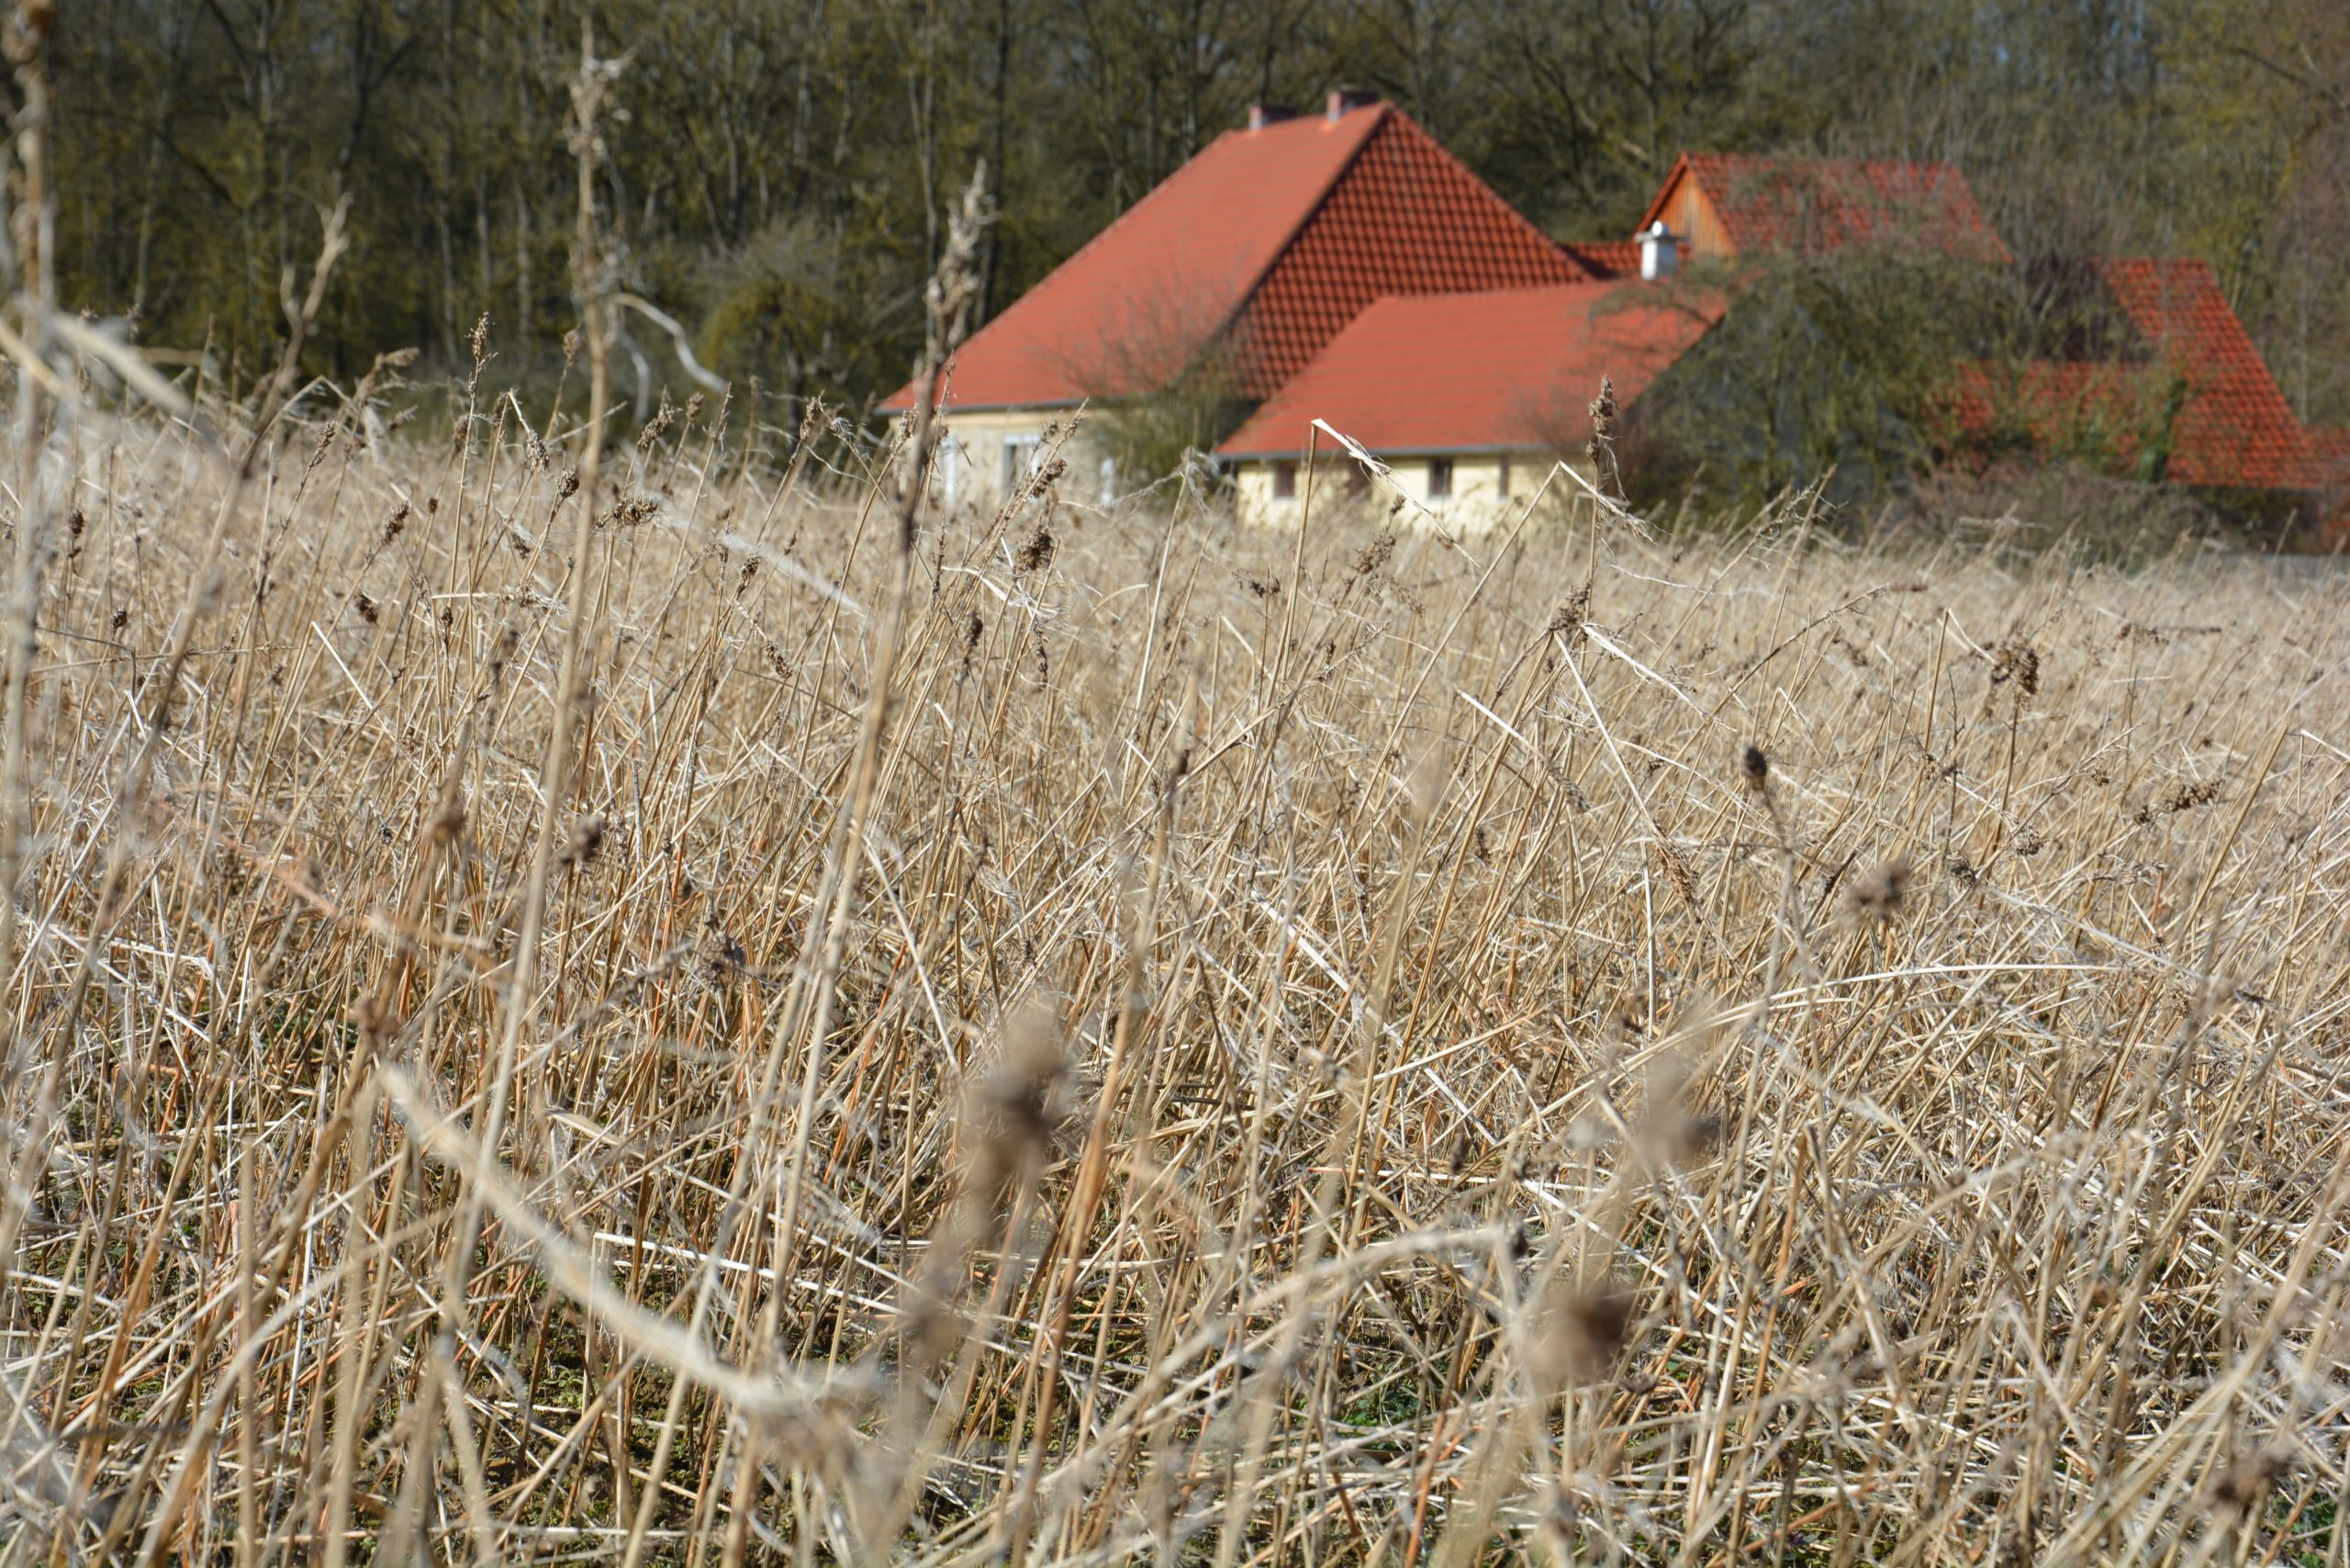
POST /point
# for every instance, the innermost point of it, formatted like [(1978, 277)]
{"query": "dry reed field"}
[(1105, 1037), (658, 996)]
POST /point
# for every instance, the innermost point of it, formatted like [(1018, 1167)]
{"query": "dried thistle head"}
[(571, 346), (1754, 768)]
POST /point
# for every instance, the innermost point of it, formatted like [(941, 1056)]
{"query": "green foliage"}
[(1831, 371), (1149, 437)]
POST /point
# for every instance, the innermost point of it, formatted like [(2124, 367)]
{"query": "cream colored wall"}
[(1475, 505), (969, 470)]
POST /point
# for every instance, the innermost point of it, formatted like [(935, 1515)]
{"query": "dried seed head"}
[(1023, 1104), (1035, 552), (1754, 768), (2183, 796), (2244, 1488), (571, 348), (1877, 897), (447, 822), (973, 629), (1375, 553), (717, 957), (479, 342), (375, 1020), (1586, 1329), (2018, 661), (587, 842)]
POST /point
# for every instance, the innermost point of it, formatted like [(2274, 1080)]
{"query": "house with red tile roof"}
[(1344, 267), (2182, 395), (1241, 266), (1724, 205), (1468, 397)]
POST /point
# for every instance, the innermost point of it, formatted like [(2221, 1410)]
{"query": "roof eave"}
[(1339, 453)]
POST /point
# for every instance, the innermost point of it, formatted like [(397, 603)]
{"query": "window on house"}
[(1439, 479), (1019, 460), (949, 468), (1284, 481), (1501, 479)]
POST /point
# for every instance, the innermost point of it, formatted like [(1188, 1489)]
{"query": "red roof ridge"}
[(1378, 112)]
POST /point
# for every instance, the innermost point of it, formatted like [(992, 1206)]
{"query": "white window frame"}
[(1020, 455)]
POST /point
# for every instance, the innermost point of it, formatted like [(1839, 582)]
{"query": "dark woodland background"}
[(780, 179)]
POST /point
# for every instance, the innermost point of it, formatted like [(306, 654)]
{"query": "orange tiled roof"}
[(1812, 205), (2231, 427), (1606, 258), (1501, 369), (1277, 235), (1406, 218)]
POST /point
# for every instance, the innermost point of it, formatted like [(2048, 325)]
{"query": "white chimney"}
[(1659, 251)]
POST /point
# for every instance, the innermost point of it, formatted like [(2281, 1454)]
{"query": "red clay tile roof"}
[(1285, 232), (1606, 258), (2231, 428), (2235, 428), (1406, 218), (1140, 300), (1813, 205), (1509, 369)]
